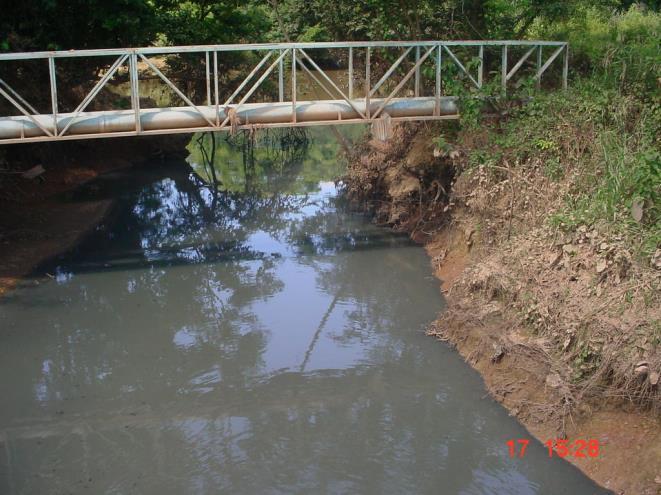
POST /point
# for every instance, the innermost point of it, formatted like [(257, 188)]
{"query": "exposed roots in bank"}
[(401, 182)]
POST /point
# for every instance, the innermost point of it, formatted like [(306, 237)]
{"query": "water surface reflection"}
[(245, 336)]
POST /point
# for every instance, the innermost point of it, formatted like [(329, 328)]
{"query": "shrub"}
[(620, 49)]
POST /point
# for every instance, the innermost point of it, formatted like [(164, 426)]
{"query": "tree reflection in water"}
[(234, 330)]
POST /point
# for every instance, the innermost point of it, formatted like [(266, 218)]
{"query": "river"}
[(232, 328)]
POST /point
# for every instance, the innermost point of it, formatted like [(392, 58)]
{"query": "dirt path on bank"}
[(514, 293), (36, 222)]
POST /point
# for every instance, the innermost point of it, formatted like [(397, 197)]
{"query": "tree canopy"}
[(77, 24)]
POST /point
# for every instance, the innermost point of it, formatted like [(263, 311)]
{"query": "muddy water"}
[(245, 337)]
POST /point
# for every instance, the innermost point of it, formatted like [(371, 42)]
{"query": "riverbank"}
[(496, 258), (35, 223), (560, 324), (269, 309)]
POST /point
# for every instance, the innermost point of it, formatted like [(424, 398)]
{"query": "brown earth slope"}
[(562, 326)]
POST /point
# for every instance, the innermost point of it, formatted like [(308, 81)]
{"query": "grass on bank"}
[(589, 160), (604, 130), (609, 142)]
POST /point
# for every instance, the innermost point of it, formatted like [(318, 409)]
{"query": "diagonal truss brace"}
[(403, 81), (254, 86), (313, 77), (549, 61), (175, 89), (389, 72), (248, 78), (90, 96), (18, 97), (518, 65), (330, 81), (21, 109), (461, 66)]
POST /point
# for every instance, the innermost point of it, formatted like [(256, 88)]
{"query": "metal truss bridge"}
[(409, 86)]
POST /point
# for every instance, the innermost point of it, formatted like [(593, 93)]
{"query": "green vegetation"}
[(52, 24), (603, 131), (77, 24), (271, 162)]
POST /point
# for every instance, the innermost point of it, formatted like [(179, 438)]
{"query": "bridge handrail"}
[(341, 105), (157, 50)]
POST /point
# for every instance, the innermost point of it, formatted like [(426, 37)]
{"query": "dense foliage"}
[(614, 50), (53, 24), (60, 24)]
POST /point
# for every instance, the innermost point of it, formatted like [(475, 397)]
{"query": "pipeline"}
[(163, 119)]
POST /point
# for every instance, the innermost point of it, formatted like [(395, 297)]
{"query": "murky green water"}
[(247, 338)]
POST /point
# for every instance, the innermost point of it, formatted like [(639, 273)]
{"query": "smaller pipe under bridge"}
[(346, 96)]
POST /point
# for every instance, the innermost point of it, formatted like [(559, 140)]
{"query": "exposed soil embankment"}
[(36, 223), (562, 326)]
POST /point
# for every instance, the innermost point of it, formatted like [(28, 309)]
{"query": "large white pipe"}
[(154, 119)]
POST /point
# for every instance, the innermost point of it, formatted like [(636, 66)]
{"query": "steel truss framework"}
[(232, 113)]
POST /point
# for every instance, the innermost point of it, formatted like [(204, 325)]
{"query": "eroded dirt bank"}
[(562, 326), (35, 223)]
